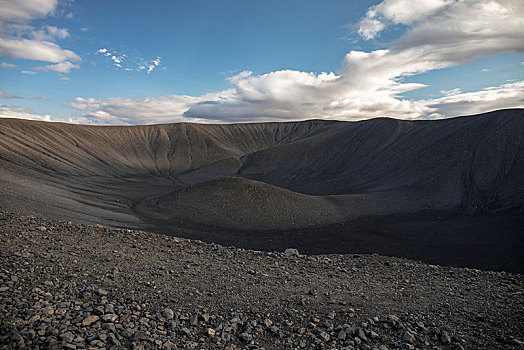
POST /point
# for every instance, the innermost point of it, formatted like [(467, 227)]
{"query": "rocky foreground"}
[(83, 287)]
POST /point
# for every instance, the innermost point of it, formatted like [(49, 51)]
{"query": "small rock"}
[(193, 320), (113, 340), (445, 338), (408, 337), (245, 337), (102, 292), (168, 313), (48, 310), (324, 336), (109, 318), (67, 337), (90, 320), (291, 251)]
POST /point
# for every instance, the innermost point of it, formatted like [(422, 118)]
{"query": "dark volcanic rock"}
[(51, 281), (446, 191)]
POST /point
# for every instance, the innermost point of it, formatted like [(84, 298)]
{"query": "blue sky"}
[(136, 62)]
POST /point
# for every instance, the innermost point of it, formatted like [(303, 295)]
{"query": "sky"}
[(145, 62)]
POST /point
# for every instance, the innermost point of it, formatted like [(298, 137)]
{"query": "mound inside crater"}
[(237, 203)]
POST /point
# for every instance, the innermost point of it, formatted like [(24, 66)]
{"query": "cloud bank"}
[(19, 40), (439, 34)]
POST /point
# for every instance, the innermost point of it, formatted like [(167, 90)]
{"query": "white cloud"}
[(49, 33), (7, 65), (35, 50), (455, 91), (62, 67), (21, 113), (30, 72), (138, 110), (7, 95), (19, 40), (496, 97), (398, 12), (15, 10), (438, 34), (370, 27), (122, 60), (154, 63)]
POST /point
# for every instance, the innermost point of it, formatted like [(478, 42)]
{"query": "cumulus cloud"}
[(7, 111), (62, 67), (14, 10), (437, 34), (19, 40), (137, 110), (405, 12), (495, 97), (7, 65), (441, 34), (49, 33), (35, 50)]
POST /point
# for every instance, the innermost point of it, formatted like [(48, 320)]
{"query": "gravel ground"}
[(86, 287)]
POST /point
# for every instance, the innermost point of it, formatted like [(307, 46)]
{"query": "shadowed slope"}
[(472, 163), (325, 179), (240, 204)]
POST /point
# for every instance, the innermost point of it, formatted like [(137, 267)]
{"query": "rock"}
[(268, 323), (445, 338), (393, 319), (226, 337), (102, 292), (324, 335), (341, 335), (67, 337), (112, 340), (168, 313), (245, 337), (291, 251), (205, 317), (15, 337), (90, 320), (408, 337), (49, 310), (361, 334), (109, 318), (193, 320)]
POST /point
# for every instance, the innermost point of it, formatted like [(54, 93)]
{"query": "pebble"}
[(169, 314), (90, 320), (291, 251)]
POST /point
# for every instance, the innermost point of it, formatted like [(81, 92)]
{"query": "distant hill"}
[(267, 176)]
